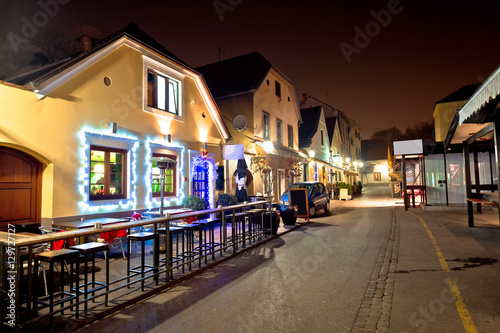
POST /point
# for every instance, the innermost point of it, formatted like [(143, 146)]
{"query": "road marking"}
[(464, 314)]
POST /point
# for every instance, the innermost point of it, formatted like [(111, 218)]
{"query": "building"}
[(78, 138), (314, 141), (250, 87), (350, 137), (376, 168)]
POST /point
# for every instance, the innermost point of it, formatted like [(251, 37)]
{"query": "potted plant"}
[(227, 200), (194, 203), (288, 214)]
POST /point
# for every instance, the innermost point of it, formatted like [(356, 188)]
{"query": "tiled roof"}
[(236, 75), (309, 126), (461, 94), (132, 31)]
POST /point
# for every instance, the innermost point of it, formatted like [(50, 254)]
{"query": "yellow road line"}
[(464, 314)]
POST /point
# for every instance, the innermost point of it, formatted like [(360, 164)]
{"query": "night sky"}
[(392, 76)]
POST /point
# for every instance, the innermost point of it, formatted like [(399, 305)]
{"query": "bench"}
[(479, 203)]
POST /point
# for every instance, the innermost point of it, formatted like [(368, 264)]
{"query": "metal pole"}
[(162, 176), (403, 174)]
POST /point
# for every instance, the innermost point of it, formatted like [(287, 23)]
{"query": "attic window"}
[(267, 82), (277, 89), (163, 92), (289, 98)]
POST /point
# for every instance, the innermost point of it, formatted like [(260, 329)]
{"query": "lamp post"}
[(164, 163)]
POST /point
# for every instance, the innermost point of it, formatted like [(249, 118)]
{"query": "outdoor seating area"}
[(51, 287)]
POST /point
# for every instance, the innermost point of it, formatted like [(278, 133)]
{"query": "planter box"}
[(275, 222)]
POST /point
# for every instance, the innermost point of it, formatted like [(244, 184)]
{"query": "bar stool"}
[(52, 257), (209, 245), (86, 249), (254, 225), (173, 259), (190, 253), (238, 229), (142, 268)]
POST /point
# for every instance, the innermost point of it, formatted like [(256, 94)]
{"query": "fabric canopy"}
[(489, 90)]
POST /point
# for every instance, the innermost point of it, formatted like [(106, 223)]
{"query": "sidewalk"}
[(423, 299)]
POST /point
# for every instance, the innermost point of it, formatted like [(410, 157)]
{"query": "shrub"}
[(227, 200), (195, 203)]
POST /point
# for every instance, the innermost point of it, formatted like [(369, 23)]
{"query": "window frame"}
[(290, 136), (174, 178), (266, 129), (152, 92), (279, 131), (277, 88), (107, 173), (377, 176), (173, 75)]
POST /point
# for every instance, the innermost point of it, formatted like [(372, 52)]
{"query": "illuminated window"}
[(107, 173), (169, 187), (290, 136), (279, 132), (163, 92), (316, 176), (266, 126), (377, 176)]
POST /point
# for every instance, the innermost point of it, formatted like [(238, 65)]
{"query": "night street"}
[(337, 275)]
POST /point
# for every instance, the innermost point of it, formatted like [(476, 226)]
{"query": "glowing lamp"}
[(311, 153), (268, 146)]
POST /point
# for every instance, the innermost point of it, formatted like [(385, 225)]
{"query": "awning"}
[(349, 173), (489, 90)]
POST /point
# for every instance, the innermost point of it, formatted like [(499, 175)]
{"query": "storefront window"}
[(107, 173)]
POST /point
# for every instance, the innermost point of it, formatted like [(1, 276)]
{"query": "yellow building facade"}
[(63, 122)]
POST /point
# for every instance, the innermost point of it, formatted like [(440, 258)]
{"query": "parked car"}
[(317, 196)]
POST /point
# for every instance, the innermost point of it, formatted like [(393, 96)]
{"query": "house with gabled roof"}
[(314, 141), (79, 138), (250, 87)]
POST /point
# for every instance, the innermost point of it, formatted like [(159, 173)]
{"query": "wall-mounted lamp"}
[(355, 163), (113, 127), (311, 153), (268, 146), (336, 158), (204, 146), (361, 164), (347, 160), (168, 138)]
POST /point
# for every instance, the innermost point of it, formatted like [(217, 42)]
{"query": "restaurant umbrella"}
[(243, 179)]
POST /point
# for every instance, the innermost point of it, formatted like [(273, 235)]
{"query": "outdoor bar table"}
[(88, 223), (12, 245)]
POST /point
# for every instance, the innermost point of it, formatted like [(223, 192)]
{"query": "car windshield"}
[(308, 186)]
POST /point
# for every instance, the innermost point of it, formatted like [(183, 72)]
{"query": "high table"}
[(88, 223)]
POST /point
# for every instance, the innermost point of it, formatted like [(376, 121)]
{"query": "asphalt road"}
[(367, 266)]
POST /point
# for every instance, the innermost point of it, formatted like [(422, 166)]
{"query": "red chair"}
[(114, 238)]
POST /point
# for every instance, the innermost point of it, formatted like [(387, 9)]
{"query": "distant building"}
[(350, 137), (375, 155)]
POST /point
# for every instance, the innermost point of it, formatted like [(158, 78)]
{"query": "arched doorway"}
[(20, 187)]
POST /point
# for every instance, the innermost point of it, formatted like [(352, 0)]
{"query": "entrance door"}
[(20, 187)]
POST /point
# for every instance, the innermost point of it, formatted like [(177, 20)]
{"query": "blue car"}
[(317, 196)]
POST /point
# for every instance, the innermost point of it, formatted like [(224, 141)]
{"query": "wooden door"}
[(20, 187)]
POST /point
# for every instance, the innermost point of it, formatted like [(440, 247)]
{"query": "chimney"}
[(304, 97), (86, 36)]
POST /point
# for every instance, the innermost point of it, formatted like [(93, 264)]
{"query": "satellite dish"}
[(240, 122)]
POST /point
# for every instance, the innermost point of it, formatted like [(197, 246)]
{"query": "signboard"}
[(408, 147), (298, 197), (233, 152)]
